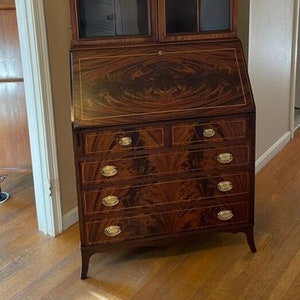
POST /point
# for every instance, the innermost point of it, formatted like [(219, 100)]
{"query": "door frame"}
[(295, 59), (39, 105)]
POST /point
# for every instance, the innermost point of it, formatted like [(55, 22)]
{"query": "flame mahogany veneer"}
[(164, 139)]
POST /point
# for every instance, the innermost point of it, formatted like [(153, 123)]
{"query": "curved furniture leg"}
[(85, 260), (250, 239)]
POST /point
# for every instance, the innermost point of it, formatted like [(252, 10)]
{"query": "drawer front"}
[(97, 172), (116, 199), (122, 141), (164, 224), (214, 131)]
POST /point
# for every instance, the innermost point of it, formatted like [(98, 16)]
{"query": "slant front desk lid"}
[(136, 85)]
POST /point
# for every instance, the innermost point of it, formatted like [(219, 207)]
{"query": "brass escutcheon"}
[(225, 158), (210, 132), (110, 201), (125, 141), (112, 230), (225, 215), (109, 171), (225, 186)]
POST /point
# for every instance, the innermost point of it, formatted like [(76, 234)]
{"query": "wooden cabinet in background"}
[(14, 139), (163, 123)]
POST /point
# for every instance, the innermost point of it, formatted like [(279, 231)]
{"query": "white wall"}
[(57, 15), (270, 63)]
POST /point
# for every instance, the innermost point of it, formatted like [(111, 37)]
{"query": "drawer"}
[(116, 199), (122, 141), (97, 172), (164, 224), (214, 131)]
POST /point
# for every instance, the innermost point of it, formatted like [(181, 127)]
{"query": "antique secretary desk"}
[(163, 120)]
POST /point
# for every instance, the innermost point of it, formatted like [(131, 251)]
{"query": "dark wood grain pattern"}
[(164, 135), (169, 82), (174, 222), (166, 164), (170, 172), (160, 195), (103, 142), (223, 130)]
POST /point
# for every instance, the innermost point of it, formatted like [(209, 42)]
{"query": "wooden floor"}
[(34, 266)]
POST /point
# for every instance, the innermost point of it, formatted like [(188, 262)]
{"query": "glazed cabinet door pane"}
[(109, 19), (196, 19), (215, 15), (99, 18), (181, 18)]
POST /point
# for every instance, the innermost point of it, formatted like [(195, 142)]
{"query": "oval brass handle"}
[(125, 141), (225, 186), (112, 230), (210, 132), (225, 158), (110, 201), (225, 215), (109, 171)]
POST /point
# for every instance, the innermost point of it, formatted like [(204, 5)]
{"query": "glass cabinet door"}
[(194, 19), (137, 21), (107, 19)]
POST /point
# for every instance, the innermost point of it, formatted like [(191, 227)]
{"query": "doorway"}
[(36, 73), (14, 137)]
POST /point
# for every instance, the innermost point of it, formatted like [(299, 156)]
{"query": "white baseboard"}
[(272, 151), (70, 218)]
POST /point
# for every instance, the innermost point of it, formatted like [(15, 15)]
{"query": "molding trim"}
[(37, 81), (272, 152), (70, 218)]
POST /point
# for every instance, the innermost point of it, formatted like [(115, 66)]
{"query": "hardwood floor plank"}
[(34, 266), (288, 278)]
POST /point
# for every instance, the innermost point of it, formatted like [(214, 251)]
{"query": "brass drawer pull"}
[(210, 132), (225, 215), (225, 186), (109, 171), (112, 230), (110, 201), (225, 158), (124, 141)]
